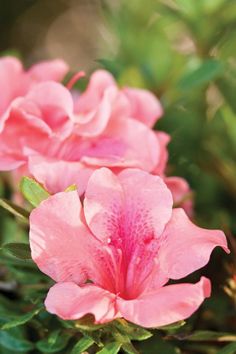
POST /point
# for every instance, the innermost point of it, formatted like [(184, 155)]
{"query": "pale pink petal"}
[(164, 140), (55, 106), (10, 162), (71, 302), (54, 70), (57, 175), (181, 193), (187, 247), (167, 305), (144, 106), (10, 81), (124, 143), (133, 205), (95, 121), (63, 247)]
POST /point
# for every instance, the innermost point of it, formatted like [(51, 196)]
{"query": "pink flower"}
[(15, 81), (113, 256), (103, 102), (50, 135)]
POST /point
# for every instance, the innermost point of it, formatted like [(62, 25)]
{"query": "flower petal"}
[(144, 106), (167, 305), (134, 204), (71, 302), (54, 70), (187, 247), (49, 172)]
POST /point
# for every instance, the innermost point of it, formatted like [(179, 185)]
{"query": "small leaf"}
[(172, 326), (20, 320), (10, 342), (18, 250), (129, 348), (210, 336), (33, 191), (55, 342), (206, 72), (82, 345), (134, 332), (71, 188), (229, 349), (15, 210), (110, 348)]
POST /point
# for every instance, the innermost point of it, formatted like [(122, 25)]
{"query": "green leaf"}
[(20, 320), (172, 326), (110, 348), (71, 188), (18, 250), (134, 332), (211, 336), (82, 345), (10, 342), (55, 342), (229, 349), (129, 348), (33, 191), (86, 323), (206, 72), (15, 210)]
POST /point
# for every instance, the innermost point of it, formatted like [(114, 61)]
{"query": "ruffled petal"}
[(144, 106), (187, 247), (54, 70), (167, 305), (71, 302)]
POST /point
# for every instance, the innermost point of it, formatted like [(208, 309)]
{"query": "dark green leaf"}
[(206, 72), (172, 326), (229, 349), (20, 320), (110, 348), (129, 348), (15, 210), (55, 342), (33, 191), (18, 250), (10, 342), (211, 336), (82, 345)]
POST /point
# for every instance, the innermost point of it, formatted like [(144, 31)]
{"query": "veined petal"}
[(167, 305), (187, 247), (71, 302)]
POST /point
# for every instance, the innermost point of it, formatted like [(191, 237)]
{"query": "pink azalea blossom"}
[(114, 255), (16, 82)]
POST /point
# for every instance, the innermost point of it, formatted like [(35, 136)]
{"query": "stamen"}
[(74, 79)]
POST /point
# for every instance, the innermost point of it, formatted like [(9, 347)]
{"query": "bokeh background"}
[(185, 52)]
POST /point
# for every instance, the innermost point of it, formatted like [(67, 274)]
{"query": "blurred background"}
[(185, 52)]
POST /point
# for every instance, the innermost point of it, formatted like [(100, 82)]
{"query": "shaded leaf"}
[(10, 342), (172, 326), (82, 345), (206, 72), (33, 191), (15, 210), (229, 349), (18, 250), (55, 342), (110, 348), (20, 320)]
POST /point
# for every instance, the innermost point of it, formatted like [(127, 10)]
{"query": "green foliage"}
[(33, 191)]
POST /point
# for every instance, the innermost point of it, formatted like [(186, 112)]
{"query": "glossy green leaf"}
[(10, 342), (20, 320), (82, 345), (33, 191), (15, 210), (18, 250), (110, 348)]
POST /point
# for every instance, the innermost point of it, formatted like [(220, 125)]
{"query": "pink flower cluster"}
[(113, 251)]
